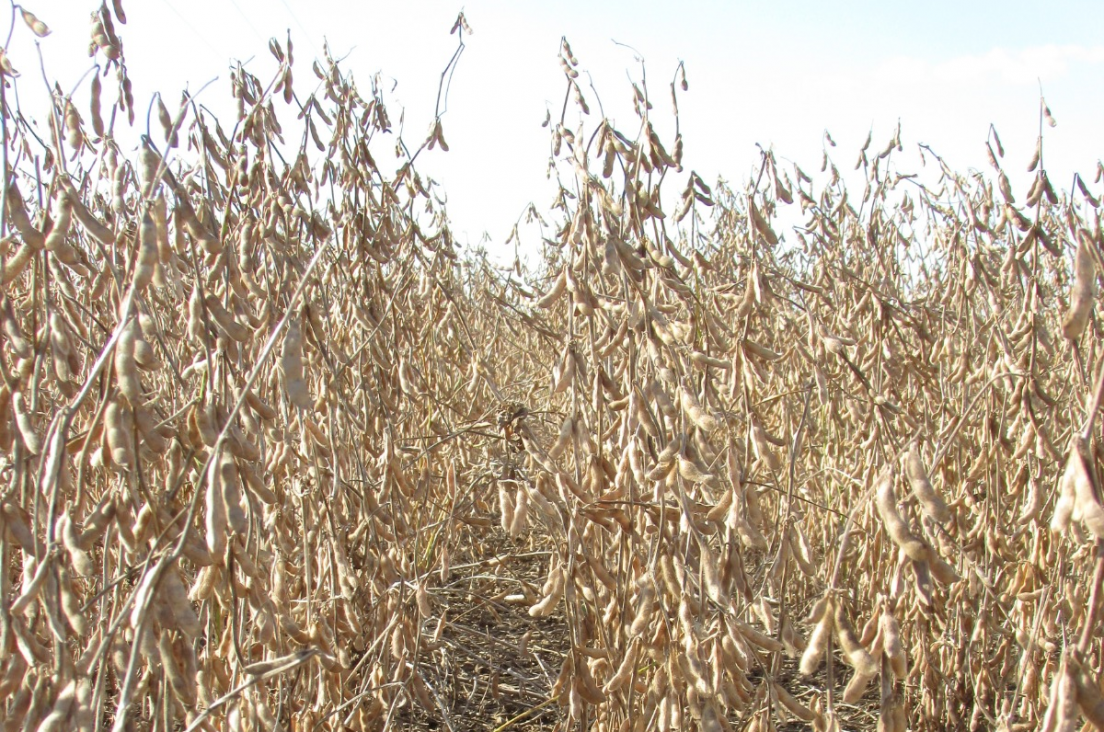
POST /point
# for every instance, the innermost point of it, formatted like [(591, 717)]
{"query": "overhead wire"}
[(195, 31), (295, 17), (248, 21)]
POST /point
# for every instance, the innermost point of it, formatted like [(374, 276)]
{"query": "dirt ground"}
[(494, 666)]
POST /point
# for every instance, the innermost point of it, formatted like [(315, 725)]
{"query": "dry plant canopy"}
[(277, 454)]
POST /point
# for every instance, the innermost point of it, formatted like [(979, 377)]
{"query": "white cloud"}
[(1013, 67)]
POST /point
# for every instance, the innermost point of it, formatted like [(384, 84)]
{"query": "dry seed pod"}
[(15, 264), (239, 444), (689, 470), (643, 415), (564, 438), (753, 636), (59, 717), (625, 669), (148, 257), (819, 639), (554, 589), (892, 717), (584, 681), (71, 602), (856, 687), (144, 355), (891, 642), (226, 321), (1035, 155), (1048, 117), (694, 412), (801, 551), (886, 502), (71, 539), (421, 598), (1083, 291), (644, 608), (565, 373), (215, 518), (176, 597), (1078, 478), (762, 446), (792, 705), (184, 686), (56, 240), (701, 360), (65, 358), (34, 580), (201, 422), (166, 122), (1033, 503), (204, 586), (554, 292), (1061, 714), (711, 578), (751, 520), (291, 367), (95, 228), (761, 224), (505, 507), (23, 423), (260, 406), (722, 507), (18, 213), (1089, 697), (18, 343), (255, 483), (72, 123), (94, 106), (118, 434), (666, 406), (148, 163), (96, 523), (126, 368), (667, 455), (37, 26), (820, 608), (231, 494), (6, 418), (165, 255), (931, 501), (857, 656), (521, 514), (1067, 501), (943, 572)]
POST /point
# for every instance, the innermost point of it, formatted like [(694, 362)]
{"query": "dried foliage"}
[(276, 456)]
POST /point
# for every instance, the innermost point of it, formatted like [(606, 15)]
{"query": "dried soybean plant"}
[(220, 363), (866, 419), (277, 454)]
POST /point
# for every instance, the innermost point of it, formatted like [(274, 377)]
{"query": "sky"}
[(771, 74)]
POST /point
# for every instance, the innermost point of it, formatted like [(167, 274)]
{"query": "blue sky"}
[(770, 73)]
